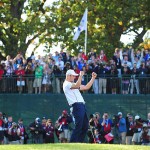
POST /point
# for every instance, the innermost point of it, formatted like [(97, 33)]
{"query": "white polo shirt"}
[(72, 95)]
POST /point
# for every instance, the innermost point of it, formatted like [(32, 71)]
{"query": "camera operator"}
[(13, 134), (49, 138), (130, 129), (106, 125), (138, 123), (8, 125), (94, 125), (36, 130), (64, 129), (22, 132), (145, 135), (2, 124)]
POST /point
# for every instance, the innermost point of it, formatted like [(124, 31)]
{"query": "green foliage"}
[(107, 20)]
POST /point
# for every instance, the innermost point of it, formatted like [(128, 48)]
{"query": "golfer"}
[(77, 102)]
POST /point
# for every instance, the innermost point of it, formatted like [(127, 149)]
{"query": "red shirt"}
[(1, 73), (20, 73)]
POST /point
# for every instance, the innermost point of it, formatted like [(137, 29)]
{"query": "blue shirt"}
[(122, 125)]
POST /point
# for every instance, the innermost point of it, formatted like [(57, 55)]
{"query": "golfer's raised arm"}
[(89, 84), (78, 83)]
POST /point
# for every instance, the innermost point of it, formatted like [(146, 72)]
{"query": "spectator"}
[(29, 77), (36, 130), (137, 129), (102, 56), (125, 71), (103, 74), (46, 78), (60, 63), (130, 129), (20, 78), (13, 134), (113, 73), (134, 79), (1, 78), (117, 60), (96, 81), (136, 59), (107, 125), (49, 132), (147, 55), (2, 122), (122, 128), (56, 82), (8, 125), (145, 135), (38, 78), (64, 129), (21, 132), (148, 119)]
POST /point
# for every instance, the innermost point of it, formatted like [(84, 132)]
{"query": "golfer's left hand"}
[(94, 75)]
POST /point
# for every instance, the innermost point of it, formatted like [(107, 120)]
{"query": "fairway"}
[(73, 147)]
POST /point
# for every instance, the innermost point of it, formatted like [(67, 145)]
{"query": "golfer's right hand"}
[(81, 73)]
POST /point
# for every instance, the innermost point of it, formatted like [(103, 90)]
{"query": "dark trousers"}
[(81, 123)]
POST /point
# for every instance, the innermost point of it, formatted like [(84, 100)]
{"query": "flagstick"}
[(85, 44)]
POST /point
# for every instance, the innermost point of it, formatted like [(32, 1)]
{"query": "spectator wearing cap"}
[(145, 135), (130, 129), (36, 131), (137, 129), (122, 128), (49, 138), (64, 122)]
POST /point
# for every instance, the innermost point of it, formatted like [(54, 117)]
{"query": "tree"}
[(107, 21), (18, 32)]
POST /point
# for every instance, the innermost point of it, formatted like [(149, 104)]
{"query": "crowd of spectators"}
[(103, 129), (126, 72)]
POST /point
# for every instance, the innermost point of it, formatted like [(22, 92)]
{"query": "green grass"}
[(73, 147)]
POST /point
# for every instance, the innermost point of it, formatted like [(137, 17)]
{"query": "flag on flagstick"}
[(82, 26)]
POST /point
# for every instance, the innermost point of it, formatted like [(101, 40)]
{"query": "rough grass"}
[(73, 147)]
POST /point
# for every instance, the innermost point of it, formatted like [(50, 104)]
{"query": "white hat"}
[(145, 125), (137, 117), (119, 113), (71, 72)]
